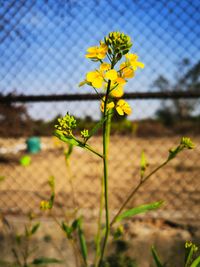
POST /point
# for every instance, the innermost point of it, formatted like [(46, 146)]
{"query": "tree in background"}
[(188, 80)]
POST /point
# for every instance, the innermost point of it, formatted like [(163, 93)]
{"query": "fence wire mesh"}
[(42, 47)]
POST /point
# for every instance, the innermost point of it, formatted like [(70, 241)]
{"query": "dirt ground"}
[(177, 183)]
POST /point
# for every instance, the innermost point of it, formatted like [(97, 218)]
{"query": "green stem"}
[(106, 137), (132, 193), (98, 236), (93, 151)]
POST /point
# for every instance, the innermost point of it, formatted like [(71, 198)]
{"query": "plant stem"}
[(106, 137), (93, 151), (98, 236), (132, 193)]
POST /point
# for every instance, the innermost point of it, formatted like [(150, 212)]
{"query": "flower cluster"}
[(45, 205), (105, 77), (118, 43), (66, 124), (185, 143), (189, 244)]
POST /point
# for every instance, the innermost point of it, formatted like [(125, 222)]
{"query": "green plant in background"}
[(22, 249), (115, 66), (191, 257)]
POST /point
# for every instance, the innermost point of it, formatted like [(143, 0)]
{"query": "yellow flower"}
[(123, 107), (117, 92), (97, 52), (120, 80), (44, 205), (132, 60), (126, 71), (110, 105), (96, 78), (105, 66), (111, 75)]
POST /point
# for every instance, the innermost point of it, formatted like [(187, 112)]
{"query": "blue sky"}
[(43, 43)]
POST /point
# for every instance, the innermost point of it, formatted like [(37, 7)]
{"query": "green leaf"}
[(82, 241), (196, 263), (67, 229), (69, 151), (35, 228), (138, 210), (156, 258), (143, 164), (118, 232), (40, 261), (66, 139), (75, 224), (96, 127), (190, 250)]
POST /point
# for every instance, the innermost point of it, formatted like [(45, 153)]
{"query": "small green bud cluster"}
[(52, 182), (85, 134), (189, 244), (185, 143), (66, 124), (45, 205), (118, 44)]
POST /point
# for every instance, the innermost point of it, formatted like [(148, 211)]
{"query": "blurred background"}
[(42, 47)]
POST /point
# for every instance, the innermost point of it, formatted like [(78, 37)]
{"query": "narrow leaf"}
[(196, 263), (139, 210), (40, 261), (96, 127), (156, 258), (190, 250), (69, 151), (66, 139), (35, 228), (143, 164), (75, 224), (67, 229), (82, 241)]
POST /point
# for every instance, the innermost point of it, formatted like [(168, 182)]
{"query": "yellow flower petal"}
[(97, 52), (131, 57), (140, 65), (111, 75), (123, 65), (92, 49), (120, 80), (128, 73), (117, 92), (96, 78), (91, 55), (98, 83), (120, 111), (109, 105), (91, 76), (105, 66), (123, 107)]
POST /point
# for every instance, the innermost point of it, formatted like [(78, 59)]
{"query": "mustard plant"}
[(23, 249), (115, 65), (192, 257)]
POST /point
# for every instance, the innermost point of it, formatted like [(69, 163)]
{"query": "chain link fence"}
[(42, 46)]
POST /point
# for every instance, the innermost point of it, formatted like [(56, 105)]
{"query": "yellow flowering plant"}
[(115, 66)]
